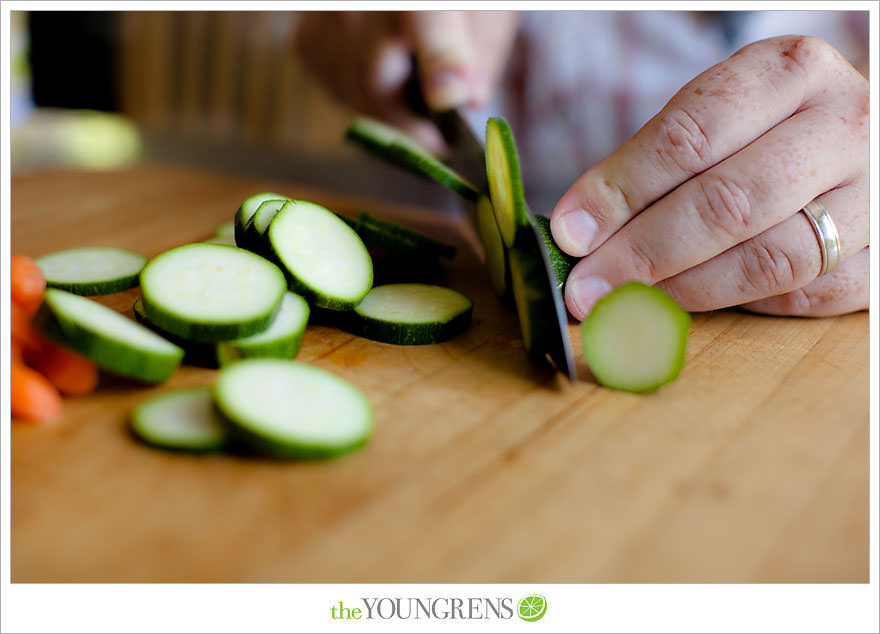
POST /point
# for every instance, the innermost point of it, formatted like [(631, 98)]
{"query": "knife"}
[(468, 157)]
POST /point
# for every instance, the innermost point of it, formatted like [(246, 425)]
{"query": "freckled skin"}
[(719, 176)]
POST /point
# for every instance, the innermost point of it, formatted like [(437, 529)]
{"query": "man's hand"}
[(703, 201)]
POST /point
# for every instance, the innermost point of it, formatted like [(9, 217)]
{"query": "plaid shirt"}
[(580, 83)]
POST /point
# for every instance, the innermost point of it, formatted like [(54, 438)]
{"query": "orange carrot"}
[(23, 330), (32, 397), (27, 282), (16, 352), (69, 371)]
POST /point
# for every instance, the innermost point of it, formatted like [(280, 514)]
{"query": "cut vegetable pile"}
[(523, 260), (239, 301)]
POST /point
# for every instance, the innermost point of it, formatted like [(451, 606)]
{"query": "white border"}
[(305, 607)]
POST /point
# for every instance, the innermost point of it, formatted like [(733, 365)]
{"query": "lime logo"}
[(532, 607)]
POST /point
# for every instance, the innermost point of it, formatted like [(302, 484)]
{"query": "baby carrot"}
[(23, 330), (27, 282), (16, 353), (32, 397), (69, 371)]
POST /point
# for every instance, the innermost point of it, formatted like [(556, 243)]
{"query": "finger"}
[(845, 290), (721, 111), (784, 258), (445, 56), (755, 189)]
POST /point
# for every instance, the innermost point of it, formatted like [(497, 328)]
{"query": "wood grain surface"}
[(753, 466)]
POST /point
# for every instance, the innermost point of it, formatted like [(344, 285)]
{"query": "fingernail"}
[(446, 89), (574, 232), (586, 291)]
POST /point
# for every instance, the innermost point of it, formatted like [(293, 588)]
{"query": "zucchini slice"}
[(281, 340), (183, 420), (253, 236), (505, 180), (248, 208), (635, 338), (394, 146), (226, 229), (290, 409), (493, 246), (210, 292), (116, 344), (561, 262), (412, 314), (324, 259), (199, 353), (398, 241), (92, 270)]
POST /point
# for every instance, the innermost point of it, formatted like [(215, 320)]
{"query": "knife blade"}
[(468, 157)]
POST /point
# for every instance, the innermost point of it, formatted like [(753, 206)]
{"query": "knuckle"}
[(769, 269), (644, 263), (726, 205), (797, 302), (685, 143), (803, 53)]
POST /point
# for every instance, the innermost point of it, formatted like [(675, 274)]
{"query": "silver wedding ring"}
[(826, 233)]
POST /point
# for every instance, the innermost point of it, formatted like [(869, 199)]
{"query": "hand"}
[(703, 201), (365, 60)]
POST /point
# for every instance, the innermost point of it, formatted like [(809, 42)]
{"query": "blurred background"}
[(100, 90), (225, 90)]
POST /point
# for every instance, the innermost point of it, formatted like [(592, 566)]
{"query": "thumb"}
[(445, 56)]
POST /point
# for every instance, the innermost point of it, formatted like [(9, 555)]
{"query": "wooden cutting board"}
[(753, 466)]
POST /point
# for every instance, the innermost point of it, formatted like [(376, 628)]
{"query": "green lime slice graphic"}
[(532, 607)]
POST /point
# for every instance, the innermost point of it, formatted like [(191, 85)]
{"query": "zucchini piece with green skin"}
[(183, 420), (323, 258), (394, 146), (635, 338), (281, 340), (209, 292), (396, 240), (493, 247), (505, 181), (116, 344), (224, 240), (411, 314), (226, 229), (561, 261), (288, 409), (199, 353), (92, 270), (253, 238), (248, 208), (528, 281)]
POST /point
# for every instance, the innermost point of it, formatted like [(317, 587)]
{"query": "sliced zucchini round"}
[(505, 180), (290, 409), (635, 338), (493, 246), (247, 209), (411, 314), (183, 420), (324, 259), (116, 344), (281, 340), (393, 145), (254, 230), (199, 353), (92, 270), (209, 292), (226, 229)]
